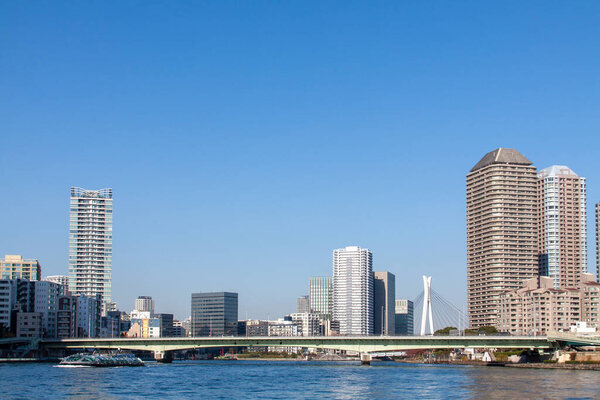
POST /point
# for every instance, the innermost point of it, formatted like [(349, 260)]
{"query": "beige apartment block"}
[(562, 226), (15, 267), (538, 308), (502, 231)]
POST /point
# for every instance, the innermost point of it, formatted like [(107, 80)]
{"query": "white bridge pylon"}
[(426, 306)]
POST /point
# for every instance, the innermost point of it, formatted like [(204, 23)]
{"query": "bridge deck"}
[(364, 344)]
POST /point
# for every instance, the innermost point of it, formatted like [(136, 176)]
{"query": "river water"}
[(293, 380)]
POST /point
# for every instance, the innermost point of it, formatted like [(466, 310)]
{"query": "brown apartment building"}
[(538, 308), (502, 231)]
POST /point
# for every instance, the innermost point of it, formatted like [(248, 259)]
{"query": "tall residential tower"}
[(562, 226), (90, 242), (502, 234), (353, 290)]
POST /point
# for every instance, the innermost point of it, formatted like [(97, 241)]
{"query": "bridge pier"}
[(365, 359), (162, 356)]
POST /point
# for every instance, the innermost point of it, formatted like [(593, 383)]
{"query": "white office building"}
[(145, 303), (90, 242), (353, 290), (309, 323)]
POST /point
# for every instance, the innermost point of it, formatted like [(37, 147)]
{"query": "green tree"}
[(488, 330), (444, 332)]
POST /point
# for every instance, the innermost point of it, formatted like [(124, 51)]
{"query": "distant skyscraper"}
[(353, 290), (384, 288), (90, 242), (302, 305), (562, 226), (502, 234), (214, 314), (15, 267), (404, 317), (145, 303), (321, 296)]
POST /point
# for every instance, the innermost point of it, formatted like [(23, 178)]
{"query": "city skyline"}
[(236, 137), (541, 172)]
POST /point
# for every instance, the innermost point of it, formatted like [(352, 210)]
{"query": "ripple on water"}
[(298, 380)]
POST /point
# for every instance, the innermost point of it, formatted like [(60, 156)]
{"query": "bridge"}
[(361, 344)]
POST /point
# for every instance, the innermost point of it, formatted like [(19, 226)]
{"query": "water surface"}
[(293, 380)]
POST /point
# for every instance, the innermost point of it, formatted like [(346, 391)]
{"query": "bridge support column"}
[(365, 359), (162, 356)]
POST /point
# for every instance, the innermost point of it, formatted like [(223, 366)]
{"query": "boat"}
[(102, 360), (226, 356)]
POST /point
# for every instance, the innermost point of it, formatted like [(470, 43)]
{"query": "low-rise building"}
[(8, 294), (114, 324), (89, 309), (62, 280), (29, 324), (46, 303), (145, 328), (255, 327), (66, 317), (178, 329), (15, 267), (538, 308), (404, 317), (284, 327), (166, 324), (309, 323)]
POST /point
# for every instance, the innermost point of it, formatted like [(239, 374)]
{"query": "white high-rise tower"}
[(562, 226), (353, 290), (426, 306), (90, 242)]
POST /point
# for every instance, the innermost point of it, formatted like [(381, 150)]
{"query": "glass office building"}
[(214, 314)]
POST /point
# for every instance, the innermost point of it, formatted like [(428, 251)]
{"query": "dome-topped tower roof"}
[(502, 156)]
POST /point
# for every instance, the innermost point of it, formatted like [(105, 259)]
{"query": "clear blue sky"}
[(245, 141)]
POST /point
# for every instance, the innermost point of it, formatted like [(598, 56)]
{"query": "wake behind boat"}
[(102, 360)]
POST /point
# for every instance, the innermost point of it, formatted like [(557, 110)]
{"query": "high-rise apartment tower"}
[(353, 290), (502, 234), (562, 226), (90, 242)]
